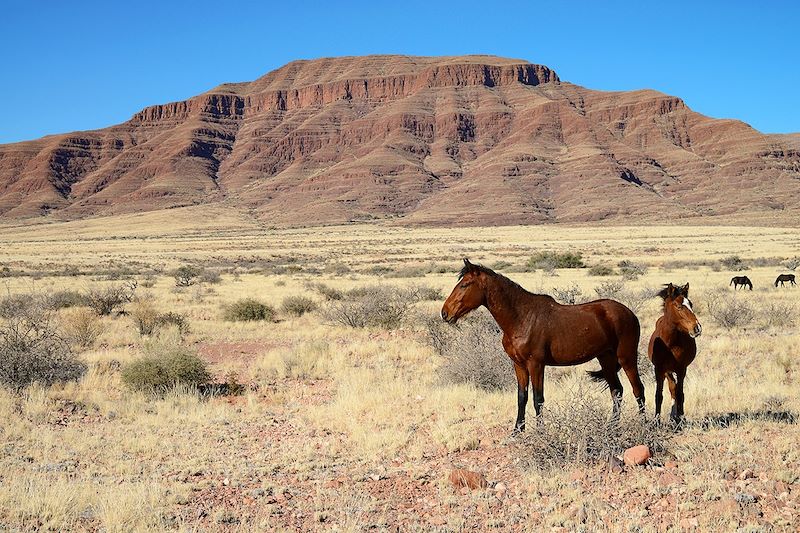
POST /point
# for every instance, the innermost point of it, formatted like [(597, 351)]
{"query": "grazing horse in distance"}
[(539, 331), (785, 277), (672, 346), (744, 281)]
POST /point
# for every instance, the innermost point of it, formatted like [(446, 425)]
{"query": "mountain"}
[(428, 140)]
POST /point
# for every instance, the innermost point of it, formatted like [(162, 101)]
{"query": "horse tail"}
[(597, 375)]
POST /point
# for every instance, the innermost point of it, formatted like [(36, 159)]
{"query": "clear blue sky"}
[(82, 65)]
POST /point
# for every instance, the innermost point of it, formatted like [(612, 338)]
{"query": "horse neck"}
[(502, 299)]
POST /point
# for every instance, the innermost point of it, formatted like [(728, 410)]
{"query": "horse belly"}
[(581, 347)]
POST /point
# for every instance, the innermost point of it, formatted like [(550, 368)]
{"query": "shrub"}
[(733, 262), (185, 275), (64, 299), (212, 277), (610, 289), (144, 316), (248, 309), (631, 271), (579, 431), (472, 351), (31, 350), (551, 260), (425, 293), (615, 290), (792, 263), (382, 306), (15, 304), (570, 295), (601, 270), (171, 318), (298, 305), (82, 326), (778, 315), (729, 311), (171, 366), (327, 292), (105, 300)]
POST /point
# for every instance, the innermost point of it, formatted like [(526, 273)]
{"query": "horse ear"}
[(467, 263), (685, 290)]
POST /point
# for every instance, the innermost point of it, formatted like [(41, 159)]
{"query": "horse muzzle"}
[(698, 330), (447, 318)]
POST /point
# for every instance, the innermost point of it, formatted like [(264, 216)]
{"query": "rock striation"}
[(427, 140)]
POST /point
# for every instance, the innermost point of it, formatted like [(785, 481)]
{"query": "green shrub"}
[(248, 309), (551, 260), (298, 305), (32, 350), (601, 270), (185, 275), (159, 372)]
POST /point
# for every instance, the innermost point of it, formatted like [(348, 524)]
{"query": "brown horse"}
[(538, 331), (672, 346), (785, 277)]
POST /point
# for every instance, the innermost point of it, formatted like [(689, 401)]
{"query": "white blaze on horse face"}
[(687, 304)]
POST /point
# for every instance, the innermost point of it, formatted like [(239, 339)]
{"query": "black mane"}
[(470, 267)]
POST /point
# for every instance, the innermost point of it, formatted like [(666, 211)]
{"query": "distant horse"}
[(538, 331), (744, 281), (785, 277), (672, 346)]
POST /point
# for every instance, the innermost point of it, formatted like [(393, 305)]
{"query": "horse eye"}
[(465, 285)]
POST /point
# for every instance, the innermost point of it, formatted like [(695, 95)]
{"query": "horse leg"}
[(537, 384), (660, 375), (627, 357), (609, 367), (522, 396), (673, 391), (679, 399)]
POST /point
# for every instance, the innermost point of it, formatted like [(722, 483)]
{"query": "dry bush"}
[(165, 367), (82, 326), (425, 293), (733, 262), (779, 315), (472, 351), (148, 320), (580, 431), (32, 351), (569, 295), (106, 300), (64, 299), (792, 263), (631, 271), (729, 311), (211, 277), (382, 306), (327, 292), (551, 260), (248, 309), (298, 305)]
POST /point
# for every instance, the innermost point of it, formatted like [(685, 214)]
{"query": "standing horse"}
[(744, 281), (785, 277), (672, 346), (538, 331)]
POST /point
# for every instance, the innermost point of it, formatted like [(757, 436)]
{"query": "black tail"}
[(597, 375)]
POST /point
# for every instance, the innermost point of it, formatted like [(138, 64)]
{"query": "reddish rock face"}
[(434, 140)]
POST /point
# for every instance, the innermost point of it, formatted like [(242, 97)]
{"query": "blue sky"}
[(72, 66)]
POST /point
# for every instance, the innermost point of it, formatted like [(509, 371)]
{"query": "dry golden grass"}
[(351, 429)]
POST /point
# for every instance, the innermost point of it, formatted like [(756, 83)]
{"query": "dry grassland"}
[(352, 429)]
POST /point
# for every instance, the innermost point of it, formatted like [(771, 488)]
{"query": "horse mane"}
[(498, 276)]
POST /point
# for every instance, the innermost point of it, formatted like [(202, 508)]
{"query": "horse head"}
[(678, 308), (468, 294)]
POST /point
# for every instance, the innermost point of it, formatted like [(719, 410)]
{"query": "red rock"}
[(425, 138), (671, 465), (465, 478), (637, 455)]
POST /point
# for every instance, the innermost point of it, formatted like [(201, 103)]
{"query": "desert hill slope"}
[(432, 140)]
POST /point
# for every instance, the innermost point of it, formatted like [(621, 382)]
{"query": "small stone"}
[(615, 465), (742, 498), (671, 465), (638, 455), (747, 474), (465, 478), (226, 482), (500, 488), (667, 479)]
